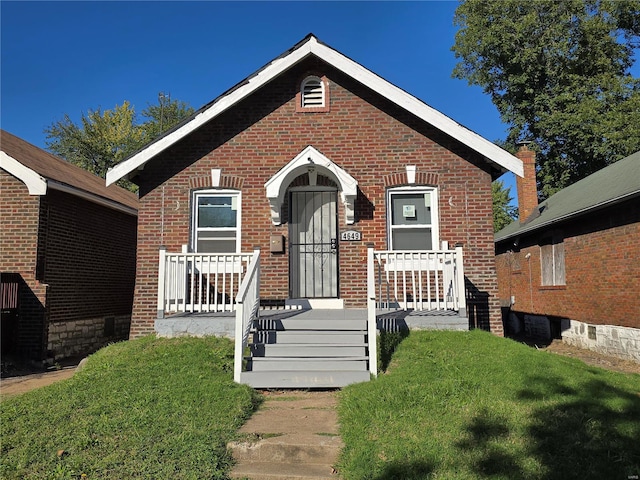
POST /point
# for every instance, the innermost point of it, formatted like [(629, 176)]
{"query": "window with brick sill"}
[(552, 263), (216, 221), (412, 218)]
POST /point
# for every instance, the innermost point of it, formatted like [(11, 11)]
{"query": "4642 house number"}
[(350, 236)]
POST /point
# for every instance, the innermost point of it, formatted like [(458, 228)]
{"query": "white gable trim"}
[(34, 182), (410, 103), (310, 161)]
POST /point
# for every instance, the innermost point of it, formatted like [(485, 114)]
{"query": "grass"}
[(148, 408), (469, 405)]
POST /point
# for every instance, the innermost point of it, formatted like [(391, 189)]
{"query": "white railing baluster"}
[(247, 306), (420, 279)]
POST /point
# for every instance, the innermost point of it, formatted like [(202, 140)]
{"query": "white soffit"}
[(36, 184), (410, 103)]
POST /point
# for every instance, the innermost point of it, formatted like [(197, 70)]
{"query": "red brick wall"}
[(602, 271), (19, 223), (76, 259), (363, 134)]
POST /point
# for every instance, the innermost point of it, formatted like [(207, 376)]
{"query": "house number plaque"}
[(350, 236)]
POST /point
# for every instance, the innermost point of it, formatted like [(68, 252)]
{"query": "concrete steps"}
[(308, 349), (293, 436)]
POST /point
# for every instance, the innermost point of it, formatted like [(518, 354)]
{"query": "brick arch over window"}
[(400, 178), (225, 181)]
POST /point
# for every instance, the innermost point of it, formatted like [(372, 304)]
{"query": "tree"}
[(105, 138), (559, 74), (503, 212)]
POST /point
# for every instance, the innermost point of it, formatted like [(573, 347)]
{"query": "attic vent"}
[(313, 92)]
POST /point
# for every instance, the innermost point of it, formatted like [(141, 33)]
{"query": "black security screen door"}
[(313, 249)]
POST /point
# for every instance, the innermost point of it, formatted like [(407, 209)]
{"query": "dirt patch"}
[(589, 357), (17, 385), (593, 358)]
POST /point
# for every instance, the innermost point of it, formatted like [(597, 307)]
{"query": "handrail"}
[(247, 311), (372, 321)]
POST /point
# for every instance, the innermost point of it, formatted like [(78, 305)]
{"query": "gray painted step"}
[(265, 364), (317, 350), (310, 324), (308, 336), (303, 379)]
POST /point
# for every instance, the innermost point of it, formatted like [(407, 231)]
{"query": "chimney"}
[(527, 186)]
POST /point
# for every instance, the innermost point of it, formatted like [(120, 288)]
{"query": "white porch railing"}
[(247, 310), (199, 282), (419, 280)]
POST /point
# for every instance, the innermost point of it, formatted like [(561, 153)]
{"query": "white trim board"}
[(311, 46)]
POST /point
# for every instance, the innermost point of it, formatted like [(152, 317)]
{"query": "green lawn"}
[(469, 405), (459, 405), (148, 408)]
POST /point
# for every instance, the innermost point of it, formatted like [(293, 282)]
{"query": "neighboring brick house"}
[(570, 267), (67, 255), (314, 138)]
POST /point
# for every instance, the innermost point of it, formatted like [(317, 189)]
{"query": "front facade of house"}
[(310, 160), (569, 269), (68, 244)]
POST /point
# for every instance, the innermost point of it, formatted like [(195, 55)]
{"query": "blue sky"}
[(71, 57)]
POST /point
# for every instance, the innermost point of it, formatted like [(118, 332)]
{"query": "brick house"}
[(569, 267), (320, 165), (67, 248)]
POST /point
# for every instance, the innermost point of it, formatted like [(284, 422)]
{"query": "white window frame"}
[(323, 92), (435, 230), (195, 230)]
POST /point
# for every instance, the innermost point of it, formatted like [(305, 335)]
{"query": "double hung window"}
[(216, 221), (412, 218)]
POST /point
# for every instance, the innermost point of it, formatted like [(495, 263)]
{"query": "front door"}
[(313, 247)]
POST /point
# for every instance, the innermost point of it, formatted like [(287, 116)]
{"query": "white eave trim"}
[(307, 161), (36, 184), (410, 103), (105, 202)]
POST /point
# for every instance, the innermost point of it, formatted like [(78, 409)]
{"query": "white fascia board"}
[(105, 202), (348, 66), (276, 68), (36, 184), (419, 108)]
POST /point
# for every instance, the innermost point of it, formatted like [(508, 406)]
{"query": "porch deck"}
[(223, 323), (219, 294)]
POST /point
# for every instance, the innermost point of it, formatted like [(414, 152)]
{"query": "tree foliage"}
[(503, 212), (104, 138), (559, 74)]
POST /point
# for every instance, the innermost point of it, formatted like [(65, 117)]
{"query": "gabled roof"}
[(613, 184), (310, 46), (40, 170)]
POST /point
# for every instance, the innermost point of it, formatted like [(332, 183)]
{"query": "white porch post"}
[(462, 293), (161, 279), (372, 328)]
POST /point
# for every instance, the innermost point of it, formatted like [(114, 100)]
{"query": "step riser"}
[(307, 351), (307, 454), (289, 379), (309, 324), (309, 337), (266, 365)]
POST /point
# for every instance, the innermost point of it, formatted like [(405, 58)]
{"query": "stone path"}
[(293, 436)]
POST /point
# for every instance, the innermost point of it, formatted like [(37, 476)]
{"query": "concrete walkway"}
[(16, 385), (293, 436)]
